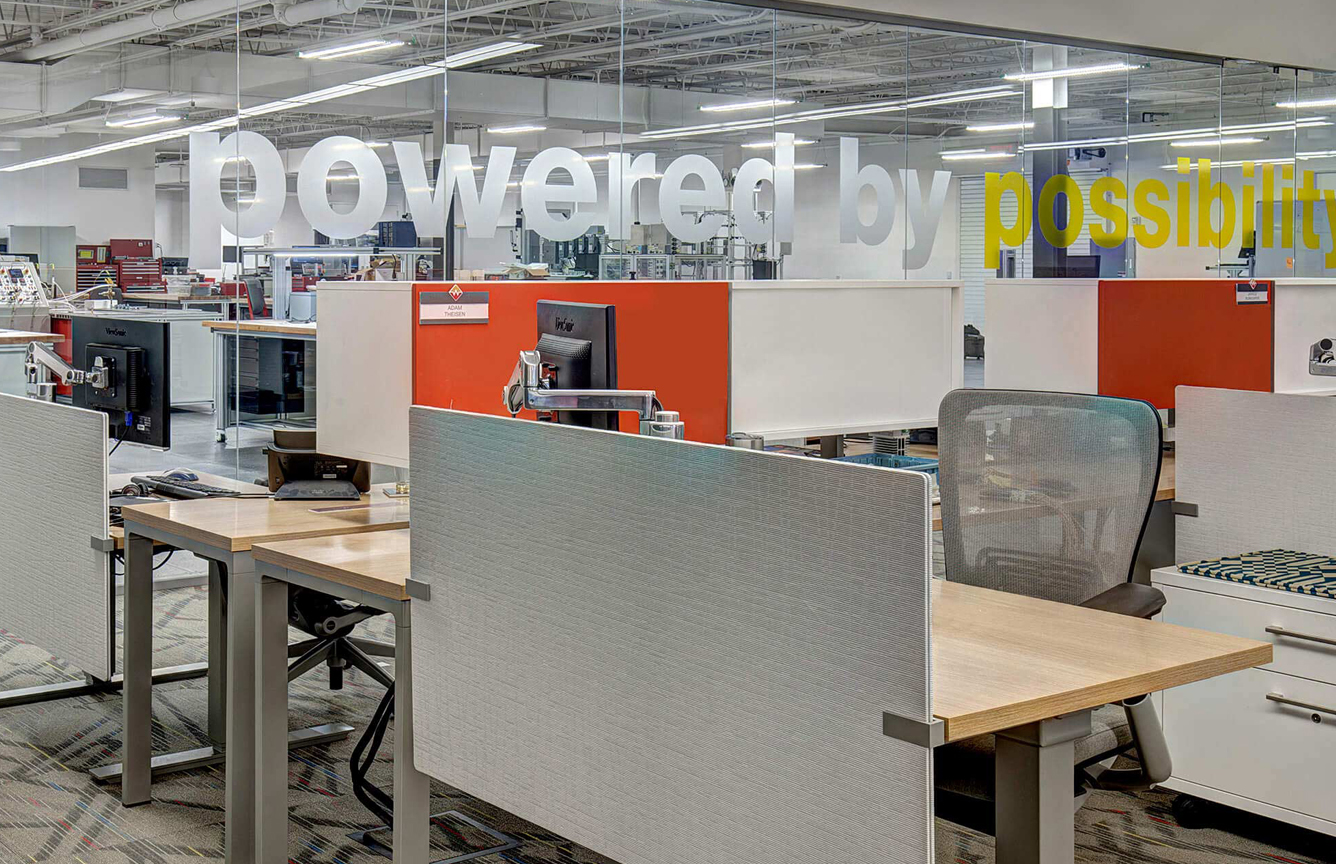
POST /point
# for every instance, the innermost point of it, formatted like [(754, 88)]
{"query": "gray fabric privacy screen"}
[(1261, 468), (54, 587), (672, 652)]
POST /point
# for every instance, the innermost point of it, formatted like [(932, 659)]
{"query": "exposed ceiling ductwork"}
[(292, 14), (181, 15)]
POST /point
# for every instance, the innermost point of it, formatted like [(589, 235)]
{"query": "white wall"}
[(1286, 32), (51, 196), (172, 222)]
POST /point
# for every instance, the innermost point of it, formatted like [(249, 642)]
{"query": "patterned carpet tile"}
[(52, 811)]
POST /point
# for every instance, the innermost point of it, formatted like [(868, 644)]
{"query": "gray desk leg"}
[(239, 796), (217, 655), (412, 790), (1035, 791), (271, 722), (137, 671)]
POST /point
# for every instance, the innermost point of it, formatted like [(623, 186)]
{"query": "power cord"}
[(372, 796)]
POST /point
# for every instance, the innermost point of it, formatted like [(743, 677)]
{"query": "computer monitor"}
[(137, 356), (1082, 266), (578, 344)]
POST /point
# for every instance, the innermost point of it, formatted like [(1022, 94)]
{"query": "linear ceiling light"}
[(978, 93), (1180, 134), (362, 85), (1001, 127), (139, 120), (1325, 102), (1071, 72), (747, 106), (125, 94), (979, 156), (1301, 156), (338, 51), (770, 145), (1215, 142), (808, 166), (515, 130)]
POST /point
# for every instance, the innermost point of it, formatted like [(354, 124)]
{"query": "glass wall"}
[(257, 149)]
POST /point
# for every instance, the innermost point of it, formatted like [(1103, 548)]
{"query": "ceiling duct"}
[(180, 15), (292, 14)]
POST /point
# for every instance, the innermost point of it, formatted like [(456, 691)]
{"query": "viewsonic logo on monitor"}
[(565, 324)]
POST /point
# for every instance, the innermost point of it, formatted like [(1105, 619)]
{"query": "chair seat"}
[(966, 768)]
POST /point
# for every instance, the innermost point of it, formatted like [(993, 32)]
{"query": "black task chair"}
[(1047, 495), (331, 621)]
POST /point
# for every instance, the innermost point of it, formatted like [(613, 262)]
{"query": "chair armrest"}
[(1129, 598)]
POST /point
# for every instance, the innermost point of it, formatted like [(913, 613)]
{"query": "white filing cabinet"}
[(1232, 740)]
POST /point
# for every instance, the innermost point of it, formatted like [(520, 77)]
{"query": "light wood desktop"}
[(222, 531), (1000, 661), (119, 481), (263, 325)]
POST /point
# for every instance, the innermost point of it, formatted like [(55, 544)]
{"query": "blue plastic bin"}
[(887, 460)]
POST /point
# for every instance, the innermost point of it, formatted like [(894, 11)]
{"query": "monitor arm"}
[(42, 358), (1322, 358), (528, 389)]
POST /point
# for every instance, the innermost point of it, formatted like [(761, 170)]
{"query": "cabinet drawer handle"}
[(1281, 631), (1276, 697)]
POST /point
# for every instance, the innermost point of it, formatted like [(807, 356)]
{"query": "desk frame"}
[(231, 697), (412, 791)]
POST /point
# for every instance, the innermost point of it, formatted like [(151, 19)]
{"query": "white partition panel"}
[(1043, 334), (54, 587), (827, 357), (1305, 313), (1261, 469), (672, 652), (364, 362)]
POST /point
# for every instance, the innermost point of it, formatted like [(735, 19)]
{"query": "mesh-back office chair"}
[(1047, 495), (255, 298)]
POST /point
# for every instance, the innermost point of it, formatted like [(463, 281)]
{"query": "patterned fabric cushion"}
[(1282, 569)]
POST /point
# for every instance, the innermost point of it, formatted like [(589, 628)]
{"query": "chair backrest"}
[(255, 298), (1045, 494)]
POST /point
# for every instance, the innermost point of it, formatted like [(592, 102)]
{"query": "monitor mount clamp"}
[(1322, 358), (42, 363), (528, 388)]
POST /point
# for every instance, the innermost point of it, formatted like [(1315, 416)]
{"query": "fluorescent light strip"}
[(1181, 134), (140, 120), (1301, 156), (770, 145), (747, 106), (975, 94), (971, 150), (349, 50), (1214, 142), (1001, 127), (1325, 102), (464, 58), (1071, 72), (808, 166), (977, 157), (515, 130)]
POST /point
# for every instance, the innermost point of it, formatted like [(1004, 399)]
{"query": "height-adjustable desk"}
[(222, 531)]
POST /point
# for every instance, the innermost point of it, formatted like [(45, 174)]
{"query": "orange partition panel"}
[(672, 338), (1155, 334)]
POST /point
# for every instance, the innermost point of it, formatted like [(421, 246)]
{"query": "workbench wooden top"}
[(262, 325), (178, 297), (1003, 660), (23, 337), (236, 524), (376, 563)]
